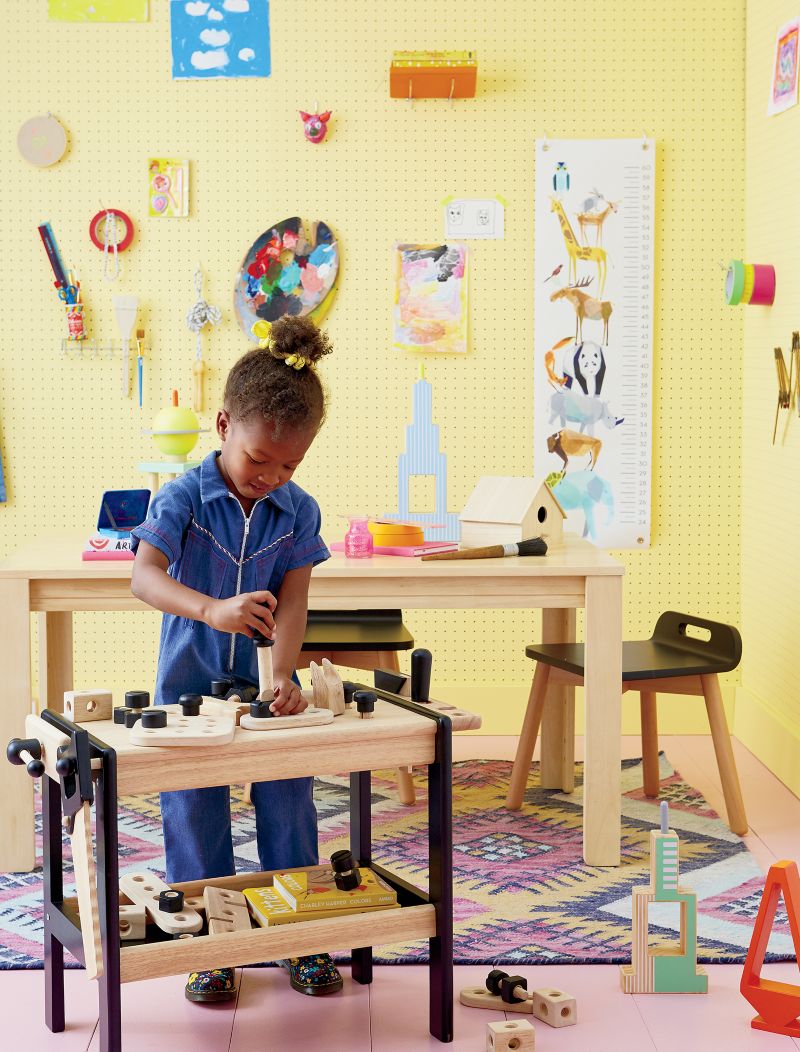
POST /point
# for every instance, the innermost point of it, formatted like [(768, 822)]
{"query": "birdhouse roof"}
[(505, 499)]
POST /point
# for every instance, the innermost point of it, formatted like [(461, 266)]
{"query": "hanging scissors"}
[(68, 293)]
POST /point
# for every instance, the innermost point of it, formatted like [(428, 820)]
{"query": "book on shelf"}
[(268, 909), (407, 551), (312, 889)]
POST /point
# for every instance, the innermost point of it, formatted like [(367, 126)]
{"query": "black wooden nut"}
[(507, 987), (131, 716), (346, 874), (170, 901), (493, 980), (260, 710), (137, 699), (154, 718), (365, 703), (349, 690), (190, 704), (120, 714), (220, 687)]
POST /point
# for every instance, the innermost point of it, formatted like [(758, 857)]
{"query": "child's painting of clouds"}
[(220, 38), (97, 10)]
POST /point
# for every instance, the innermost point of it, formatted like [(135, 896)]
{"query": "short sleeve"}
[(309, 546), (168, 517)]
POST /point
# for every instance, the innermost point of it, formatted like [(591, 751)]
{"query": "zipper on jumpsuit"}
[(239, 571)]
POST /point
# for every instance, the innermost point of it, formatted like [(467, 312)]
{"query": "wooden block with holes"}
[(85, 706), (554, 1007), (143, 889), (479, 997), (226, 910), (510, 1035), (132, 922), (184, 731)]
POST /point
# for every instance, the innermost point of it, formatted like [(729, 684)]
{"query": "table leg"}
[(603, 687), (55, 658), (558, 722), (53, 863), (440, 884), (361, 846), (16, 788), (107, 839)]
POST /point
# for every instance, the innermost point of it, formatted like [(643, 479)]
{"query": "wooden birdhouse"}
[(502, 510)]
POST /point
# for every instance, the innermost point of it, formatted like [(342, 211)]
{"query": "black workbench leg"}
[(53, 860), (361, 846), (107, 839), (440, 865)]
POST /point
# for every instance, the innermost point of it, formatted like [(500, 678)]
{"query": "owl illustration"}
[(561, 177)]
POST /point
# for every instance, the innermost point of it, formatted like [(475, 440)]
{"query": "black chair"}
[(671, 661), (365, 639)]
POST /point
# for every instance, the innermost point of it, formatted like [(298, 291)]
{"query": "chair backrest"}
[(723, 648), (369, 617)]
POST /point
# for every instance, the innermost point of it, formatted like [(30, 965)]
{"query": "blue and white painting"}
[(220, 38)]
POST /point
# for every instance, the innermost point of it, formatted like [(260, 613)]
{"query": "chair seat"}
[(641, 659), (356, 630)]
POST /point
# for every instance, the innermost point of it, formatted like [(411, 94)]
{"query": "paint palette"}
[(290, 269)]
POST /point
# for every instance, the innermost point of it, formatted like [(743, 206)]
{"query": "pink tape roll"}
[(763, 285)]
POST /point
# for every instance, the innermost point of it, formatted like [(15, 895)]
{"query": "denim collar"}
[(213, 485)]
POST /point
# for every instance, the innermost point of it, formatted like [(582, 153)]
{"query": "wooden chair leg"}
[(406, 792), (527, 737), (720, 735), (647, 705)]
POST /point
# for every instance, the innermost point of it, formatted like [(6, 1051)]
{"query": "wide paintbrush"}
[(534, 546)]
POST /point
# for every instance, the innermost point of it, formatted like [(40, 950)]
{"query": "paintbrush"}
[(139, 361), (534, 546)]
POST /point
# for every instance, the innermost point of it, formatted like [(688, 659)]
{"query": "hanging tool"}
[(125, 308), (200, 314)]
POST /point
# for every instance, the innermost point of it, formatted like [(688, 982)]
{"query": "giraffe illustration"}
[(577, 251)]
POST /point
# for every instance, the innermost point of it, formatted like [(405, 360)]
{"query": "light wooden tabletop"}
[(59, 557)]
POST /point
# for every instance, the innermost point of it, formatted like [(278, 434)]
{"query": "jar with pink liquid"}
[(358, 543)]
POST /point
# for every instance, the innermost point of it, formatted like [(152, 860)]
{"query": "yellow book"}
[(269, 909), (314, 889)]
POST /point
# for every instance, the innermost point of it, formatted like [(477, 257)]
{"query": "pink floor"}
[(391, 1015)]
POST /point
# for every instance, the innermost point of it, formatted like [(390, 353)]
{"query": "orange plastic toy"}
[(777, 1004)]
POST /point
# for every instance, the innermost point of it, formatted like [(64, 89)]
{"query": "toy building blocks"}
[(663, 970), (510, 1034)]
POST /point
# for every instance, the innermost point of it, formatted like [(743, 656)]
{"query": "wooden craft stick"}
[(266, 689), (86, 887)]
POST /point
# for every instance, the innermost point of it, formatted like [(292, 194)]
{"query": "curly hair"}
[(263, 382)]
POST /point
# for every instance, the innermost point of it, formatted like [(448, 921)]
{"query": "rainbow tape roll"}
[(752, 283)]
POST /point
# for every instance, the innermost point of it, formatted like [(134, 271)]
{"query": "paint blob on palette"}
[(290, 269)]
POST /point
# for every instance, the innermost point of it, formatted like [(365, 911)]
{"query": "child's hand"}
[(242, 613), (288, 699)]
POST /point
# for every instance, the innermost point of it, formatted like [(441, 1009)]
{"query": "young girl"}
[(228, 548)]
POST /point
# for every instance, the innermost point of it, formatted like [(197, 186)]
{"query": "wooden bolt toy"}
[(511, 1034), (266, 688), (365, 703), (655, 970), (84, 706), (554, 1007), (190, 704), (154, 717), (145, 889), (777, 1004), (137, 699)]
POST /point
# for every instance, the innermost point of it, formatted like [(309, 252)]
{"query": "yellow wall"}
[(768, 703), (573, 68)]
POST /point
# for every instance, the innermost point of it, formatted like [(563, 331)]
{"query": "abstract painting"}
[(97, 10), (783, 90), (430, 309), (221, 38)]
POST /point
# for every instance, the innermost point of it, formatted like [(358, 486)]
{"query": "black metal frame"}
[(62, 923)]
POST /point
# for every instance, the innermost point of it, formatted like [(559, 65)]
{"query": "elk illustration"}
[(585, 306), (595, 219)]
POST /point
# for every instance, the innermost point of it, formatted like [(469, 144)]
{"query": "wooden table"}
[(49, 578), (401, 732)]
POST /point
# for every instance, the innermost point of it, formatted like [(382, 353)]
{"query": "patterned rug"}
[(523, 894)]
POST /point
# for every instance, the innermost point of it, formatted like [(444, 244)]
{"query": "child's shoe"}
[(217, 985), (316, 975)]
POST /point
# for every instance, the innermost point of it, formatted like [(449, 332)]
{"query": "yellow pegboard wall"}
[(573, 69)]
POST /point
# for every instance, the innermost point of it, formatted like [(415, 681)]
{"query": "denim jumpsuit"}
[(214, 548)]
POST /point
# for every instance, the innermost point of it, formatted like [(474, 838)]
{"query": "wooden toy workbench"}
[(401, 732)]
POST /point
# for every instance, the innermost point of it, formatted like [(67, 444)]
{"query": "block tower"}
[(663, 970), (423, 457)]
